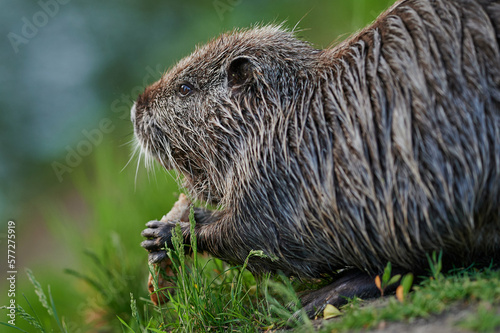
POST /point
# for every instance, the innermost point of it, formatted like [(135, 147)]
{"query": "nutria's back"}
[(384, 148), (416, 156)]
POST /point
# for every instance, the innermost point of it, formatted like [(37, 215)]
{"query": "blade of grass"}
[(11, 326), (125, 324), (54, 312), (34, 312)]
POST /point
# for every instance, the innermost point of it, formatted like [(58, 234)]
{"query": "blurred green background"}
[(70, 71)]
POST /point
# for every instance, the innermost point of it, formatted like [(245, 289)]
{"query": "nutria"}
[(381, 149)]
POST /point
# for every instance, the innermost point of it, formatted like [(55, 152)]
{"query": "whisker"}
[(135, 149)]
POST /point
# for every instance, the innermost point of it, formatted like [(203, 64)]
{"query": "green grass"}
[(433, 296), (50, 312), (486, 319)]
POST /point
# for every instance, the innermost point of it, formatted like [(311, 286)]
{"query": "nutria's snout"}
[(146, 103), (148, 132), (141, 106)]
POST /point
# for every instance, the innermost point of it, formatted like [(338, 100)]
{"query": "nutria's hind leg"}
[(348, 284)]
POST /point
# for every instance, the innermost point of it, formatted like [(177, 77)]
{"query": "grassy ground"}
[(435, 295)]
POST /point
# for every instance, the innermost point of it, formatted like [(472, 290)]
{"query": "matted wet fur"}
[(381, 149)]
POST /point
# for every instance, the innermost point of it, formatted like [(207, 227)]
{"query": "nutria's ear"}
[(240, 72)]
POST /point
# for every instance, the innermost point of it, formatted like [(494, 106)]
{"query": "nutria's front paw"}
[(158, 235)]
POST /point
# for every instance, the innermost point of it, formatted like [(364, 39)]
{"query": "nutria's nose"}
[(144, 101), (141, 105)]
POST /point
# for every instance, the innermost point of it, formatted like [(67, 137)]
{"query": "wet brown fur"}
[(383, 148)]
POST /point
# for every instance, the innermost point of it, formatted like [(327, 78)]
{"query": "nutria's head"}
[(201, 114)]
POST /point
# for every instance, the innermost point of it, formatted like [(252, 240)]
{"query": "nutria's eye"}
[(185, 89)]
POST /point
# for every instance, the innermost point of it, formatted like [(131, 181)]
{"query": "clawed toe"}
[(149, 233), (155, 224), (156, 257), (151, 245)]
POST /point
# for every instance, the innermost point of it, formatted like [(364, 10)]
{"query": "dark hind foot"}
[(348, 284)]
